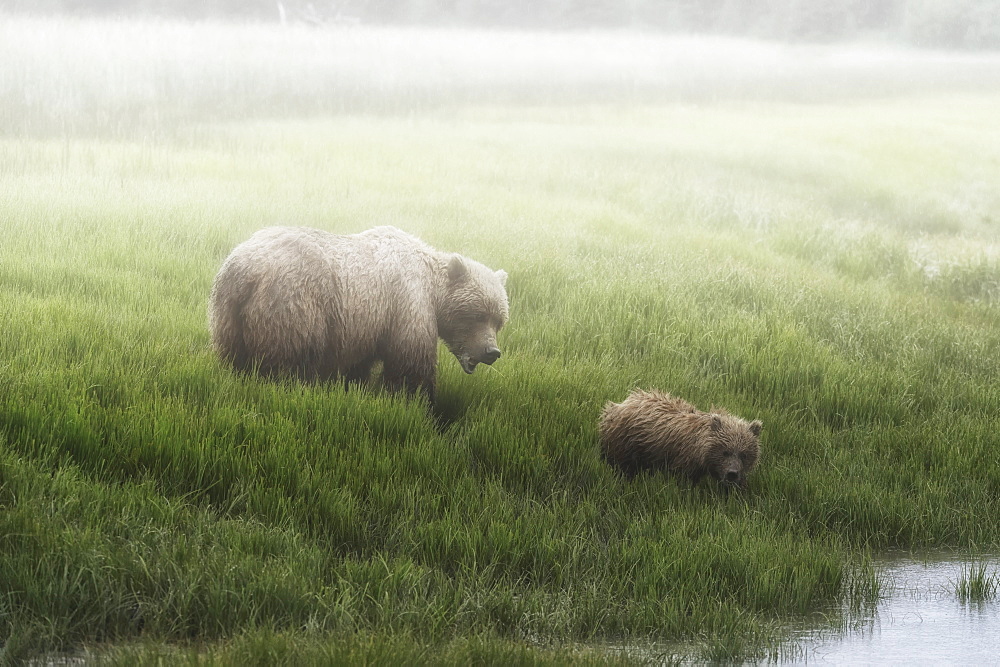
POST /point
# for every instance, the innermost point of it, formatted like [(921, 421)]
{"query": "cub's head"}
[(734, 448), (473, 310)]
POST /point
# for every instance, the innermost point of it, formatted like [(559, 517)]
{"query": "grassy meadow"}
[(804, 235)]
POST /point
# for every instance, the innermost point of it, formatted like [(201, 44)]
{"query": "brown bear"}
[(651, 430), (294, 300)]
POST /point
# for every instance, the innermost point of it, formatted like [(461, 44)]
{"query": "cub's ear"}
[(716, 423), (457, 270), (755, 427), (502, 275)]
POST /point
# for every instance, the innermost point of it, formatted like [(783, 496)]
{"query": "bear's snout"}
[(732, 476), (491, 355)]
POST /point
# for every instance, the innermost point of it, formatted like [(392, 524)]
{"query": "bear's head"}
[(734, 446), (473, 309)]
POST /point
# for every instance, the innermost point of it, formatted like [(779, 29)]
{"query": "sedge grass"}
[(977, 583), (829, 268)]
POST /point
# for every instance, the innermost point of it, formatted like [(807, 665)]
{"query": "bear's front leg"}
[(359, 374), (695, 476), (413, 372)]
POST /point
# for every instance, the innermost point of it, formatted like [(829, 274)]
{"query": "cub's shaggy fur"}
[(656, 431), (319, 305)]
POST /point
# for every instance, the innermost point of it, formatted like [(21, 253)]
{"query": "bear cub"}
[(653, 430)]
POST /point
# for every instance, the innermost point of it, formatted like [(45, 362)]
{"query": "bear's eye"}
[(727, 454), (471, 318), (475, 314)]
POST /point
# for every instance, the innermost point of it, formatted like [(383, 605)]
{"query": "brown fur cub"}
[(652, 430)]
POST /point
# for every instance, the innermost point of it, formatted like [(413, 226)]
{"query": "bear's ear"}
[(716, 423), (755, 427), (457, 270), (502, 275)]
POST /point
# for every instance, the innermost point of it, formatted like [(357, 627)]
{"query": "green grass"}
[(830, 268), (977, 584)]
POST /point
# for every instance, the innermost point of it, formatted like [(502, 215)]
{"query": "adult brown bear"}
[(320, 305)]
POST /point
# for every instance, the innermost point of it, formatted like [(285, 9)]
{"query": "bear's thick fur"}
[(652, 430), (319, 305)]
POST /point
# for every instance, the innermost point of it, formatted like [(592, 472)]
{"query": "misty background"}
[(964, 24)]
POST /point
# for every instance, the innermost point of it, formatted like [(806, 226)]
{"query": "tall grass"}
[(977, 584), (770, 257)]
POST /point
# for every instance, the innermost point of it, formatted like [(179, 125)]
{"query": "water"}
[(920, 621)]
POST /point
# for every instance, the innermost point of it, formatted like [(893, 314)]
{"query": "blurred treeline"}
[(929, 23)]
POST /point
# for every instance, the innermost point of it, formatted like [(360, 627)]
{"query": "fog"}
[(950, 23), (112, 75)]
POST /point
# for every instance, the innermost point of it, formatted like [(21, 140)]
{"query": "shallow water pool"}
[(921, 620)]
